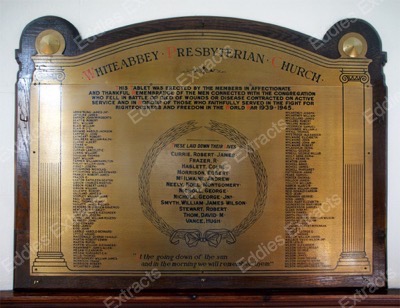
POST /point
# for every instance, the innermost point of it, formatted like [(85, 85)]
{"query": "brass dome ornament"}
[(50, 42), (353, 45)]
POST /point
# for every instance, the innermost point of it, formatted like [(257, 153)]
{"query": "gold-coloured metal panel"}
[(201, 152)]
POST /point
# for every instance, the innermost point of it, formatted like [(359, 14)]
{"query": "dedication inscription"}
[(203, 152)]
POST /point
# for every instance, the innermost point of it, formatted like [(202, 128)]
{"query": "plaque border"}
[(74, 46)]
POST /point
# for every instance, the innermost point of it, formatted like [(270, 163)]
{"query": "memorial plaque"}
[(200, 153)]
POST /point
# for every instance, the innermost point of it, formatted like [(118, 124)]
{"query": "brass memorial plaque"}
[(201, 153)]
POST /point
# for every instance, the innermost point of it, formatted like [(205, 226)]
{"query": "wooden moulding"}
[(183, 290), (308, 298)]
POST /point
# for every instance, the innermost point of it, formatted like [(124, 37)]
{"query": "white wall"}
[(90, 17)]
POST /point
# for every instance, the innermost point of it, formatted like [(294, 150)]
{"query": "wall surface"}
[(91, 17)]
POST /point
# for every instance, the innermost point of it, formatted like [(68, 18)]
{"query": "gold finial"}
[(353, 45), (50, 42)]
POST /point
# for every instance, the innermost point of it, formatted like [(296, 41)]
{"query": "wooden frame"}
[(75, 46)]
